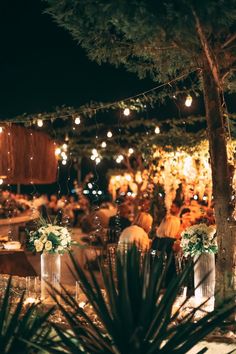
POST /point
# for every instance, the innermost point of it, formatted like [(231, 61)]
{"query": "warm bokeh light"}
[(188, 101)]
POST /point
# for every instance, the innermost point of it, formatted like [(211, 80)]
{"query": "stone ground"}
[(214, 348)]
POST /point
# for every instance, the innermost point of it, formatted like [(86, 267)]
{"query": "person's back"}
[(134, 235), (138, 232)]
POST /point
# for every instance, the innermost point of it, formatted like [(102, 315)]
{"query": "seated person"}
[(137, 233), (166, 235), (118, 223)]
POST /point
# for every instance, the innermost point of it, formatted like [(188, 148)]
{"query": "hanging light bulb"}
[(63, 162), (103, 144), (109, 134), (126, 112), (131, 151), (98, 160), (57, 151), (77, 120), (65, 146), (188, 101), (121, 157), (40, 123), (1, 130), (157, 130), (93, 157), (94, 152)]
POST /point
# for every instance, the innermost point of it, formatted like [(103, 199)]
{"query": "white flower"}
[(43, 238), (64, 242), (38, 246), (48, 245)]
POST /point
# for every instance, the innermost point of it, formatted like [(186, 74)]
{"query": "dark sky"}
[(41, 66)]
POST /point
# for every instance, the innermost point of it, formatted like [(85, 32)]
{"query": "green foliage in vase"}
[(21, 323), (134, 315)]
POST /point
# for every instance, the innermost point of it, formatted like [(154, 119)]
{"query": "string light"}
[(103, 144), (1, 130), (188, 101), (195, 197), (63, 162), (109, 134), (131, 151), (99, 192), (98, 160), (1, 181), (157, 130), (57, 151), (94, 152), (77, 120), (40, 123), (119, 158), (126, 112), (65, 146), (93, 157)]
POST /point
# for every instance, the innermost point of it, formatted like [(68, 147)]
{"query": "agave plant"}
[(20, 324), (136, 315)]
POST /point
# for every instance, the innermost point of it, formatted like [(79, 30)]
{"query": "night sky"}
[(42, 67)]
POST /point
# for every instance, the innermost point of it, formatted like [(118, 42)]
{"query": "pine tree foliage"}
[(153, 38)]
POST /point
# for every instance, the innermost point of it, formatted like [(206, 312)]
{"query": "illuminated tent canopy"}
[(27, 156)]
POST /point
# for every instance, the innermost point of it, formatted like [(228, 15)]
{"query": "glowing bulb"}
[(98, 160), (1, 130), (77, 120), (94, 152), (118, 160), (65, 146), (195, 197), (128, 177), (93, 157), (99, 192), (86, 191), (90, 186), (57, 151), (109, 134), (188, 101), (118, 178), (63, 162), (103, 144), (1, 181), (126, 112), (131, 151), (40, 123), (204, 197), (120, 157), (157, 130), (63, 155), (94, 192)]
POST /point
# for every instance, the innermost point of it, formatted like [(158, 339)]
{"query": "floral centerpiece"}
[(49, 238), (51, 241), (199, 239)]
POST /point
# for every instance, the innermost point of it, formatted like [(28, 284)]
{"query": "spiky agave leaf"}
[(20, 324), (137, 316)]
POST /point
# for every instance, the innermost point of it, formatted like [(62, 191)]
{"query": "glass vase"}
[(204, 274), (50, 276)]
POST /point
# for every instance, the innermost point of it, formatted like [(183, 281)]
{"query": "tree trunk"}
[(226, 229)]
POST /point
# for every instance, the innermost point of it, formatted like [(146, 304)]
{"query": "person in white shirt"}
[(137, 233)]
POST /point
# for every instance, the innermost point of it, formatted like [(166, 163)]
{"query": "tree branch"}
[(231, 39), (207, 50)]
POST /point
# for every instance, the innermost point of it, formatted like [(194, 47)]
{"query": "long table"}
[(15, 262)]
